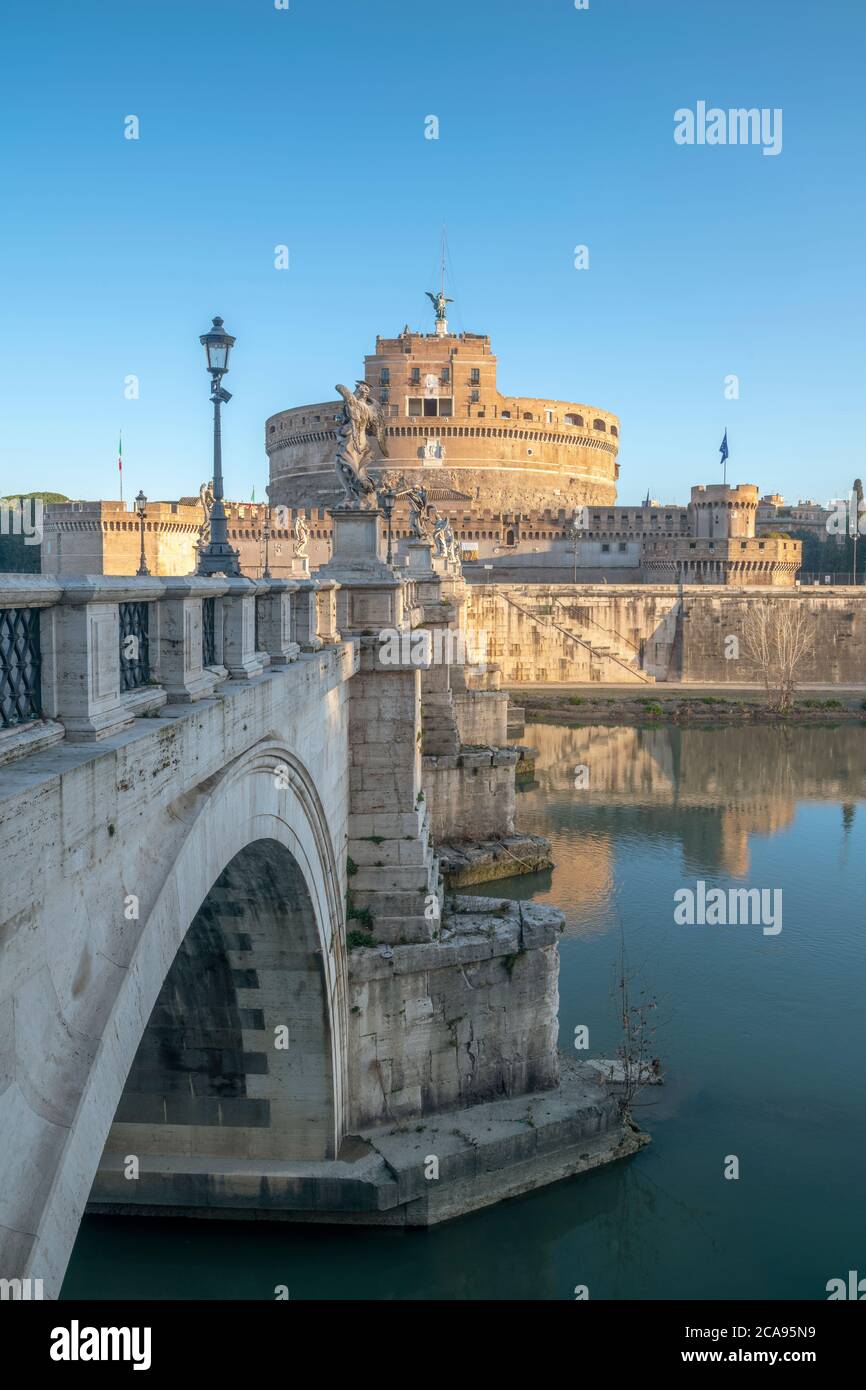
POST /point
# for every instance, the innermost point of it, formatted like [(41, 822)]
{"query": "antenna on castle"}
[(440, 300), (442, 282)]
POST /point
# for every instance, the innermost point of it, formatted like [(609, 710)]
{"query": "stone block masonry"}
[(461, 1019), (471, 796), (651, 632)]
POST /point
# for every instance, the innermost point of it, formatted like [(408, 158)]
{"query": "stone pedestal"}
[(419, 558), (357, 539), (370, 598)]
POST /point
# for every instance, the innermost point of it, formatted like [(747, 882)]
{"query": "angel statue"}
[(439, 301), (419, 520), (301, 534), (361, 417), (205, 493), (443, 537)]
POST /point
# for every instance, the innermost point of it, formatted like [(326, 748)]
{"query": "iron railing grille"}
[(208, 632), (258, 645), (20, 666), (134, 645)]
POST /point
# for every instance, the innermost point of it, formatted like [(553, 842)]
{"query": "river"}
[(761, 1038)]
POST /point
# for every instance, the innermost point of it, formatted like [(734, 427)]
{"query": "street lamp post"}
[(141, 508), (387, 498), (218, 557)]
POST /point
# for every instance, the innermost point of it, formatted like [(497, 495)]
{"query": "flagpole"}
[(120, 462)]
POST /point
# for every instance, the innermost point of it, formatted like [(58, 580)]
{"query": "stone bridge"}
[(230, 977)]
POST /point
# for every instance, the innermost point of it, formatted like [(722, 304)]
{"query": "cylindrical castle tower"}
[(452, 431), (717, 511)]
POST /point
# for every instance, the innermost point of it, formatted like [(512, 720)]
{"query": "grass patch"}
[(359, 938)]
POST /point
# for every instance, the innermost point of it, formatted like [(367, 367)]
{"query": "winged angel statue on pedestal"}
[(361, 417)]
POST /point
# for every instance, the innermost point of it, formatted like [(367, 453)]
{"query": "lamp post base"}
[(219, 558)]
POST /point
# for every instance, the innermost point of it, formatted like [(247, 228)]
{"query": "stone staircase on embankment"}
[(610, 658)]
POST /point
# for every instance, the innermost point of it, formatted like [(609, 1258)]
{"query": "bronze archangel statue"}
[(439, 302)]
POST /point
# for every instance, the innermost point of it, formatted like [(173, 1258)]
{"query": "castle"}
[(450, 429), (528, 486)]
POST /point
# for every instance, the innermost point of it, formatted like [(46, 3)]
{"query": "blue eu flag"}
[(723, 448)]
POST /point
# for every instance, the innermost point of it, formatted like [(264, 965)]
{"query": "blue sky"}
[(305, 127)]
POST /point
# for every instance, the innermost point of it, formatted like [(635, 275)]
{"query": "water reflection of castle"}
[(734, 783)]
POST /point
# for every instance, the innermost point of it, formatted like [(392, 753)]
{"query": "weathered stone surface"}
[(465, 864)]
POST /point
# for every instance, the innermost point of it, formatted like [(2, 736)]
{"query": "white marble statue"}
[(361, 417)]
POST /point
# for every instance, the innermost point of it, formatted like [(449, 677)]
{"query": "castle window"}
[(384, 395), (475, 377), (415, 405), (272, 430), (527, 414), (605, 550), (506, 414), (474, 396), (598, 425), (446, 405), (623, 547), (384, 376), (548, 415), (416, 376), (614, 430), (574, 419), (446, 375), (430, 404)]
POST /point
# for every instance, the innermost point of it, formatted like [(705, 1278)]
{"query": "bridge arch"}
[(260, 815)]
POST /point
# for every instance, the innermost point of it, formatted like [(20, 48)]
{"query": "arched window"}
[(599, 425), (614, 431)]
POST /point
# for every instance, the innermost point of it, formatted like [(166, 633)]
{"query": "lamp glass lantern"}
[(141, 503), (217, 345)]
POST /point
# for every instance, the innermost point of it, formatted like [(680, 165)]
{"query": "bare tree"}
[(635, 1052), (776, 638)]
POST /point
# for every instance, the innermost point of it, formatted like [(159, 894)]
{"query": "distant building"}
[(774, 514)]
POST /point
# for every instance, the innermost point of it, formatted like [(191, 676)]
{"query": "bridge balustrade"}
[(82, 656), (20, 666)]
